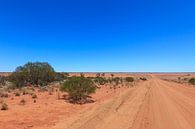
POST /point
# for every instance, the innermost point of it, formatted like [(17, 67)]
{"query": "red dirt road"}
[(154, 104)]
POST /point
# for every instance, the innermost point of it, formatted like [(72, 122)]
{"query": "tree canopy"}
[(37, 73)]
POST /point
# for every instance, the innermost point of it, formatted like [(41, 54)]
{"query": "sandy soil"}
[(152, 104), (155, 104), (48, 109)]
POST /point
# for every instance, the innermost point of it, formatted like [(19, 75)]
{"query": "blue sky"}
[(99, 35)]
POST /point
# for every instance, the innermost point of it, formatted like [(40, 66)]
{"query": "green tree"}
[(78, 89), (37, 73)]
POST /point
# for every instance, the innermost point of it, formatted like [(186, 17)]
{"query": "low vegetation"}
[(143, 78), (100, 80), (34, 96), (78, 89), (129, 79), (22, 102), (17, 93), (59, 77), (3, 94), (4, 106), (43, 76), (192, 81)]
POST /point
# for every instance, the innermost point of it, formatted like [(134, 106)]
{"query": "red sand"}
[(152, 104)]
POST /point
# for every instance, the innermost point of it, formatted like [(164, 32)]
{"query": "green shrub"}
[(129, 79), (37, 73), (192, 81), (100, 80), (78, 89), (116, 80), (60, 77)]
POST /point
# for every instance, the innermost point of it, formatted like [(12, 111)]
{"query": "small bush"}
[(98, 75), (17, 94), (82, 74), (43, 89), (192, 81), (112, 75), (143, 78), (4, 95), (116, 80), (102, 74), (100, 80), (22, 102), (34, 96), (78, 89), (24, 91), (4, 106), (129, 79), (50, 93)]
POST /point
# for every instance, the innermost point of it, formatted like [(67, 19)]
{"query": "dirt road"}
[(154, 104)]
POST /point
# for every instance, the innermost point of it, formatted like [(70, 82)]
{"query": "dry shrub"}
[(17, 94), (22, 102), (192, 81), (4, 106), (1, 101), (58, 95), (4, 95), (43, 89), (34, 96), (50, 93)]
